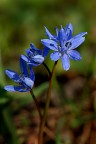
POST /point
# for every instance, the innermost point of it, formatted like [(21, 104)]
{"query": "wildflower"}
[(63, 45), (35, 56), (25, 80)]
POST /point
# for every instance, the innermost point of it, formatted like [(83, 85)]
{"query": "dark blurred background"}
[(21, 23)]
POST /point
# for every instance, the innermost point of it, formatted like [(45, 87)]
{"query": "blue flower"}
[(25, 80), (35, 56), (63, 45)]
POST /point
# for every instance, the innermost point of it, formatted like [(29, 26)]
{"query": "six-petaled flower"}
[(64, 44)]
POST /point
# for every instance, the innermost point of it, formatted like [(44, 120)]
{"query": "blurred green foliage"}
[(22, 22)]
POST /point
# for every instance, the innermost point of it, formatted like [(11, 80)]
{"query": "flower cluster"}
[(62, 44)]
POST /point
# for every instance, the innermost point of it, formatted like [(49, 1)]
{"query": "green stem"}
[(36, 102), (47, 68), (46, 130), (46, 107)]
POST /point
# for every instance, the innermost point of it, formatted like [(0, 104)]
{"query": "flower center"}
[(68, 44)]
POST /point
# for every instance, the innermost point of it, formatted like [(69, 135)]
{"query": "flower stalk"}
[(47, 69), (36, 102), (46, 129), (40, 140)]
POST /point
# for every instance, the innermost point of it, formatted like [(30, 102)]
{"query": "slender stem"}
[(33, 96), (47, 68), (47, 130), (46, 107), (36, 102)]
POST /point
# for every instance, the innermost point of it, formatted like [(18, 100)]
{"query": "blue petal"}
[(65, 62), (55, 56), (74, 55), (76, 42), (12, 75), (29, 52), (33, 63), (52, 37), (45, 51), (69, 31), (80, 35), (69, 26), (21, 89), (38, 59), (28, 82), (57, 31), (11, 88), (23, 67), (35, 50), (49, 34), (24, 58), (32, 76), (33, 46), (50, 44), (61, 34)]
